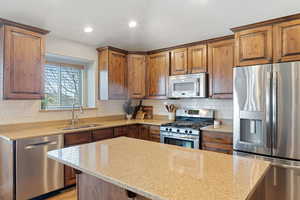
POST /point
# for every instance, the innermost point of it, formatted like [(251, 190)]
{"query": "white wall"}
[(18, 111), (223, 108)]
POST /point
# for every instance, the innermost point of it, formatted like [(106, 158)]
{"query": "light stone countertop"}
[(29, 130), (221, 128), (166, 172)]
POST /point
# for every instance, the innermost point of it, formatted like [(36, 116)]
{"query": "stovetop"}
[(187, 124)]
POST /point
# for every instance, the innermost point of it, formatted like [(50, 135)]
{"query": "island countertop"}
[(166, 172)]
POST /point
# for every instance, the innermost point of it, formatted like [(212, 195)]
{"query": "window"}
[(63, 86)]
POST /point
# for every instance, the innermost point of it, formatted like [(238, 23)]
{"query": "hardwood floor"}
[(66, 195)]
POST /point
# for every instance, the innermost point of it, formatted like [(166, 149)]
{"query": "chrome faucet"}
[(75, 119)]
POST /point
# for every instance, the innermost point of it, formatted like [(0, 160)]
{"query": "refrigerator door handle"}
[(274, 108), (268, 111)]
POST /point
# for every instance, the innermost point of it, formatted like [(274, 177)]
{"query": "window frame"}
[(82, 85)]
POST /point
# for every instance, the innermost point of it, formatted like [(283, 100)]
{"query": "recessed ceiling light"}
[(132, 24), (88, 29)]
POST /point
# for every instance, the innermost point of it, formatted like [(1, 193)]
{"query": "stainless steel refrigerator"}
[(267, 123)]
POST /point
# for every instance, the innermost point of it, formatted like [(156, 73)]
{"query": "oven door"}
[(179, 140)]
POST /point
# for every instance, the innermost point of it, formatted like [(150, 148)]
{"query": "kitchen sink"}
[(82, 126)]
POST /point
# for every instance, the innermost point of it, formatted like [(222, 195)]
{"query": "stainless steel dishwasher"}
[(35, 173)]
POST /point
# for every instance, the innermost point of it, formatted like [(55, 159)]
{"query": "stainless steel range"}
[(185, 131)]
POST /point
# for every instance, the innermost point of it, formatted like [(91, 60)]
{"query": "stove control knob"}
[(167, 129), (190, 132), (186, 131), (178, 130)]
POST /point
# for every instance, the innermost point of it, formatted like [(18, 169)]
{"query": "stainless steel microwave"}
[(188, 86)]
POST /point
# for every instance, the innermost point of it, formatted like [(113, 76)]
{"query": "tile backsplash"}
[(223, 108)]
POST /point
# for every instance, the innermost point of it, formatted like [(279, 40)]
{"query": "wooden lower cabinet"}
[(120, 131), (154, 133), (72, 139), (102, 134), (133, 131), (217, 141), (92, 188), (144, 132)]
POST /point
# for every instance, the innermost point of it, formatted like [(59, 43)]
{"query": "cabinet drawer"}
[(102, 134), (154, 130), (217, 137), (154, 137), (77, 138), (120, 131), (222, 148)]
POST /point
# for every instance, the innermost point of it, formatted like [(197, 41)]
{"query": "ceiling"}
[(161, 23)]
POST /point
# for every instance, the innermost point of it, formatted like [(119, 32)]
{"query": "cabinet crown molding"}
[(266, 23), (23, 26)]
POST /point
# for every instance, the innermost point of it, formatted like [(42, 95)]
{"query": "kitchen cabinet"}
[(23, 63), (120, 131), (158, 69), (179, 58), (220, 64), (136, 76), (217, 141), (197, 59), (154, 133), (287, 41), (102, 134), (254, 46), (72, 139), (113, 74), (144, 132), (133, 131)]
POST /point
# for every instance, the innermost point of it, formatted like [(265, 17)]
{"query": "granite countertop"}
[(163, 172), (29, 130), (221, 128)]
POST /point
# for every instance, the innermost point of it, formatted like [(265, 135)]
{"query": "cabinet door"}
[(287, 41), (220, 64), (72, 139), (120, 131), (117, 75), (254, 46), (23, 64), (157, 75), (133, 131), (102, 134), (197, 59), (179, 61), (144, 132), (136, 76)]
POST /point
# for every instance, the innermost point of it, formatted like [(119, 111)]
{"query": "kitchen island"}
[(116, 168)]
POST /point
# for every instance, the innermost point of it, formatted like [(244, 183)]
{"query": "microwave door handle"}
[(197, 92)]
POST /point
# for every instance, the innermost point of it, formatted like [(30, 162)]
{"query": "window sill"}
[(67, 109)]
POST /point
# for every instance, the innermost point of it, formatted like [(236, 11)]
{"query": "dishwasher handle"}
[(41, 144)]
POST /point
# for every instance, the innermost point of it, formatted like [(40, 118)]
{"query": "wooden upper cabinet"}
[(179, 65), (117, 75), (197, 59), (220, 65), (112, 74), (287, 41), (136, 76), (157, 75), (254, 46), (23, 63)]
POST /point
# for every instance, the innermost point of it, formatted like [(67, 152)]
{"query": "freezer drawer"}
[(35, 173)]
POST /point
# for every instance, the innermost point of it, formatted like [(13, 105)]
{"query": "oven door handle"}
[(190, 138)]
